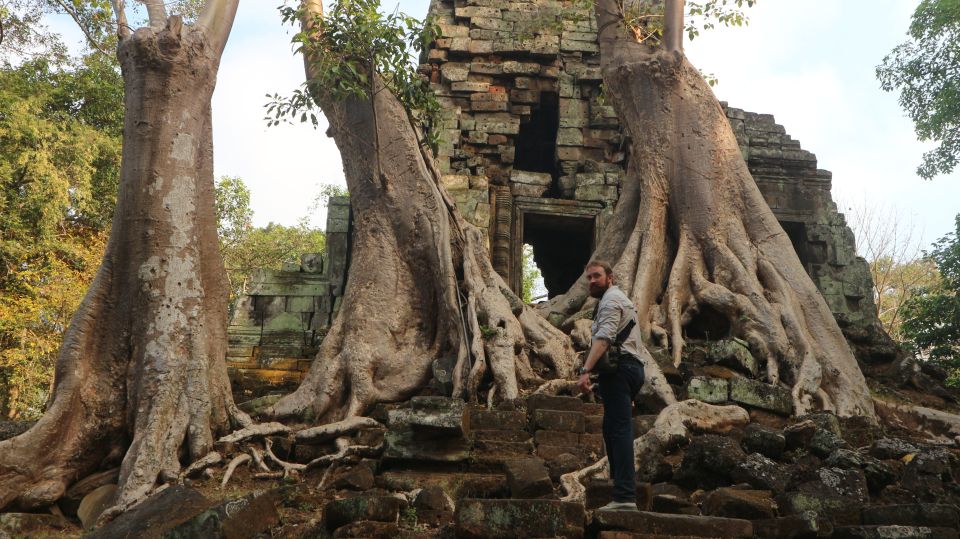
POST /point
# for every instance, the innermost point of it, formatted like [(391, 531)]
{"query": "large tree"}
[(926, 71), (691, 232), (140, 380)]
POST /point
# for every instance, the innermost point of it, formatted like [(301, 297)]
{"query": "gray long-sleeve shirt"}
[(613, 314)]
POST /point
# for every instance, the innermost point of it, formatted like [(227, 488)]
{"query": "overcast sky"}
[(810, 63)]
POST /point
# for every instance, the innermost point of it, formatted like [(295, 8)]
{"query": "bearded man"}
[(615, 330)]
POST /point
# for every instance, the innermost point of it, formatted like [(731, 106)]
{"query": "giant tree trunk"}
[(420, 284), (692, 232), (141, 379)]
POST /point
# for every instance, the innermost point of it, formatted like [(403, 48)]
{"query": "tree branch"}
[(76, 18), (156, 12), (673, 26), (119, 10), (217, 20)]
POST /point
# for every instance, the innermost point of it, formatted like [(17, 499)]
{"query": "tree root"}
[(237, 461), (210, 459), (672, 427), (253, 431), (331, 431), (257, 459), (287, 467)]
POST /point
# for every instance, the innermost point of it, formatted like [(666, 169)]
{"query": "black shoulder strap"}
[(625, 332)]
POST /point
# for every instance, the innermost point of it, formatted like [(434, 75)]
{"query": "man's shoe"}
[(619, 506)]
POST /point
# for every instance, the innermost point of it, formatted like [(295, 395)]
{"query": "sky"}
[(810, 63)]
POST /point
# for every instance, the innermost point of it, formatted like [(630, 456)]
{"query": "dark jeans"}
[(617, 391)]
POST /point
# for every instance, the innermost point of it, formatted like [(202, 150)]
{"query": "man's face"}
[(598, 281)]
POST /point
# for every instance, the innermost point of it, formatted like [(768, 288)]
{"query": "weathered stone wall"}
[(276, 329)]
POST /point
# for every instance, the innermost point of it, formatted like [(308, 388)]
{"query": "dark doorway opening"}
[(561, 247), (811, 253), (536, 149)]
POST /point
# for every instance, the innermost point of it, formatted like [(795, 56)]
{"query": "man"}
[(614, 313)]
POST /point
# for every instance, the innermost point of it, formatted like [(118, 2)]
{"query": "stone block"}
[(477, 11), (453, 30), (367, 529), (550, 402), (673, 525), (892, 532), (559, 420), (524, 96), (489, 106), (553, 437), (585, 179), (531, 178), (497, 435), (511, 67), (735, 354), (311, 263), (569, 153), (94, 503), (30, 524), (376, 508), (739, 503), (768, 397), (801, 526), (569, 136), (674, 505), (156, 515), (764, 440), (486, 68), (495, 122), (469, 86), (708, 389), (454, 72), (404, 445), (598, 193), (490, 23), (518, 518), (939, 515), (528, 479), (572, 45), (526, 190), (452, 182), (479, 419)]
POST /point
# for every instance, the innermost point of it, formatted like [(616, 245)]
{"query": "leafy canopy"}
[(59, 163), (346, 46), (926, 72), (932, 316)]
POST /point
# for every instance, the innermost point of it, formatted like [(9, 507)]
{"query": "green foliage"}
[(531, 273), (246, 248), (932, 316), (645, 18), (59, 165), (926, 72), (346, 46)]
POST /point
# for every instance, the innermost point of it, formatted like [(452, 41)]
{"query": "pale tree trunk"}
[(420, 282), (691, 230), (141, 379)]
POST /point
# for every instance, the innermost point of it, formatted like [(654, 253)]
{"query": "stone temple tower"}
[(534, 154)]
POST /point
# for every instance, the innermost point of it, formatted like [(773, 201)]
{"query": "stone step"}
[(920, 514), (630, 535), (338, 513), (682, 525), (803, 526), (456, 484), (893, 532), (518, 518)]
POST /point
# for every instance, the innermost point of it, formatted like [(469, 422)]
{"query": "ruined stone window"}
[(797, 232), (536, 146)]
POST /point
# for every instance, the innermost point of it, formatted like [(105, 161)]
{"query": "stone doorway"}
[(562, 233)]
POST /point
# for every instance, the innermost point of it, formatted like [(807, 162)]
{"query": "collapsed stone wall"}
[(276, 329)]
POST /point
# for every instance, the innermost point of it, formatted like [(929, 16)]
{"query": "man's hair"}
[(600, 264)]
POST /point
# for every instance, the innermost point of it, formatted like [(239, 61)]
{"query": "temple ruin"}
[(533, 155)]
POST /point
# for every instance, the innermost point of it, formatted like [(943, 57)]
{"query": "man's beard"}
[(596, 290)]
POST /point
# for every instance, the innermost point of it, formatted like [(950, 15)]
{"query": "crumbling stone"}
[(673, 525), (518, 518), (710, 461), (805, 525), (739, 503), (528, 478), (376, 508), (764, 440)]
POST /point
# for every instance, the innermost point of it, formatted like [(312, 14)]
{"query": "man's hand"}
[(583, 383)]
